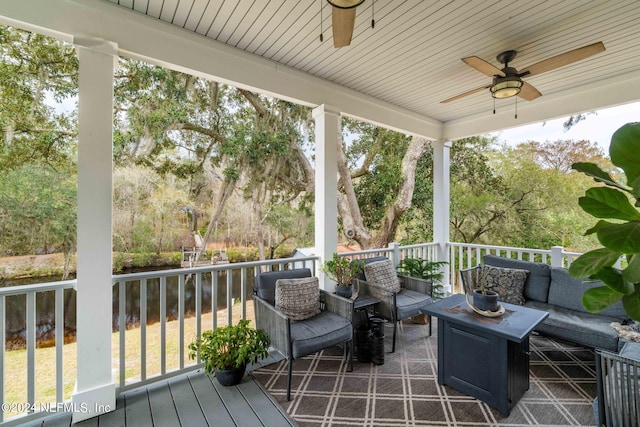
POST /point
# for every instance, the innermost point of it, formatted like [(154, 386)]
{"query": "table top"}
[(364, 301), (515, 324)]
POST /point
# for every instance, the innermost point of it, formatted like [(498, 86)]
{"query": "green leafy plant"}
[(618, 229), (341, 269), (424, 269), (230, 346)]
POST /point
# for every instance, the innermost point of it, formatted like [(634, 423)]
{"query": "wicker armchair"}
[(415, 294), (295, 339), (618, 396)]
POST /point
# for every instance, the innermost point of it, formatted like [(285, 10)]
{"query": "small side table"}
[(362, 304)]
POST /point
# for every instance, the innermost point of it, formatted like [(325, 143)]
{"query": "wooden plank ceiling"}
[(412, 56)]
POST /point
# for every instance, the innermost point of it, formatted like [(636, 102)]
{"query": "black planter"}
[(344, 291), (231, 376), (487, 301), (363, 337), (377, 340)]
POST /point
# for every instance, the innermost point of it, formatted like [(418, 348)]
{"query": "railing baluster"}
[(181, 295), (31, 347), (163, 325), (122, 289), (2, 341), (143, 329), (229, 297), (198, 309), (214, 299), (59, 343), (243, 291)]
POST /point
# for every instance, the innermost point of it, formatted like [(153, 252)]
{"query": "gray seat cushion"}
[(266, 282), (410, 303), (536, 287), (321, 331), (590, 330)]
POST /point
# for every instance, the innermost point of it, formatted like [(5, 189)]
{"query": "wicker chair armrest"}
[(337, 304), (416, 284), (274, 323), (372, 289), (387, 298), (470, 279)]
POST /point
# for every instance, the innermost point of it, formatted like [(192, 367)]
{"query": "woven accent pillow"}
[(298, 298), (382, 274), (507, 282)]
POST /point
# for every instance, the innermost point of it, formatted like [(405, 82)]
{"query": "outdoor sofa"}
[(552, 289)]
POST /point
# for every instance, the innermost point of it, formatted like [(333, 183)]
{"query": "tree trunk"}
[(348, 203), (223, 195)]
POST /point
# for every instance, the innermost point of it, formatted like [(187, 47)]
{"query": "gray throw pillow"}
[(382, 274), (298, 298), (507, 282)]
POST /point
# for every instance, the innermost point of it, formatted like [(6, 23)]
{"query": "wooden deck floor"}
[(192, 399)]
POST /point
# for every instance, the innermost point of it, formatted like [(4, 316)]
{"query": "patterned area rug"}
[(405, 391)]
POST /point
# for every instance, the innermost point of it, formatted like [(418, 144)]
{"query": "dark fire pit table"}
[(485, 357)]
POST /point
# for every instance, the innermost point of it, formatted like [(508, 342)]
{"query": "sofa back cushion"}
[(266, 282), (567, 291), (536, 287)]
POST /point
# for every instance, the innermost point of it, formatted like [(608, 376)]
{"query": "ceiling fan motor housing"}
[(506, 56)]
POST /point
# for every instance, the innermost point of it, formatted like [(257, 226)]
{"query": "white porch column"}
[(327, 130), (95, 389), (441, 205)]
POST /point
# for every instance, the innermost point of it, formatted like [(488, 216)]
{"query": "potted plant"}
[(342, 271), (427, 270), (618, 230), (485, 299), (226, 351)]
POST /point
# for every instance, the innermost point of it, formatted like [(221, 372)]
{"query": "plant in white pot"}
[(342, 271), (227, 350)]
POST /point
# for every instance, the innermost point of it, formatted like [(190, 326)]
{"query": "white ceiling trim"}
[(163, 44)]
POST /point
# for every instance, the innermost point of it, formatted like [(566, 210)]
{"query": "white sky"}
[(596, 128)]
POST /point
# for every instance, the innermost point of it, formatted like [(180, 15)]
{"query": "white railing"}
[(28, 400), (397, 252), (232, 282), (176, 290)]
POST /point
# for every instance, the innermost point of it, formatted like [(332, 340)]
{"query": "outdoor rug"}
[(405, 391)]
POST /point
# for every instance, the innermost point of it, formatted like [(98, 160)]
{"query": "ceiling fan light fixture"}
[(506, 87), (345, 4)]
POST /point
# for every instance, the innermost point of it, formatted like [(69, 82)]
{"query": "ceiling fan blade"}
[(528, 92), (342, 22), (563, 59), (467, 93), (483, 66)]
